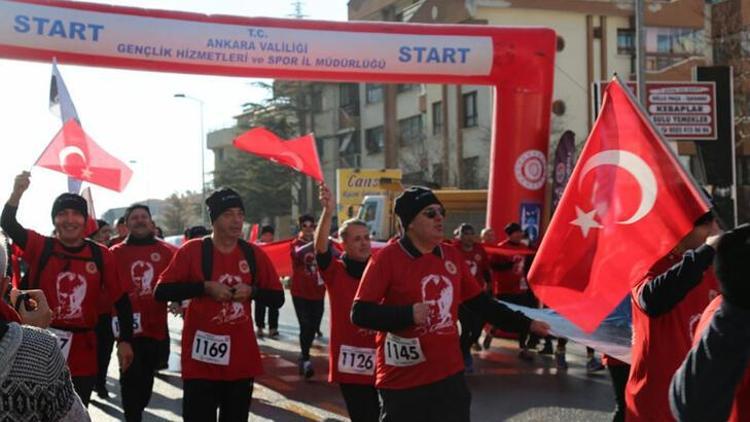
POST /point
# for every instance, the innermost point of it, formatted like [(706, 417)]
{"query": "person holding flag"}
[(351, 353), (71, 270), (221, 275), (140, 260), (410, 293)]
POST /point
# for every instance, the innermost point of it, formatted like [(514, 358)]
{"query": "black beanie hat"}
[(70, 201), (411, 202), (221, 200), (512, 228), (732, 265)]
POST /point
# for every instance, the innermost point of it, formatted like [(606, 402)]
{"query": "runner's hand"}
[(242, 292), (325, 197), (217, 291), (21, 183), (539, 328), (419, 313), (39, 315), (124, 355)]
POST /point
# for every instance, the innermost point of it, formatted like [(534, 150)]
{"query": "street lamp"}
[(203, 160)]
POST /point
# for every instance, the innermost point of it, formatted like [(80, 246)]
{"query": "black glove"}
[(732, 265)]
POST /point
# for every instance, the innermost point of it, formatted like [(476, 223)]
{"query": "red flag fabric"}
[(74, 153), (627, 204), (299, 153), (91, 224), (506, 252), (280, 253), (253, 235)]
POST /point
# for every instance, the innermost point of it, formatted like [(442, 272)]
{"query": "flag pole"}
[(644, 115)]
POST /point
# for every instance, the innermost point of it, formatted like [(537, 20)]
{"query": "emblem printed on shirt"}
[(230, 312), (477, 257), (71, 291), (451, 267), (142, 274), (473, 268), (244, 268), (91, 267), (156, 257), (437, 294)]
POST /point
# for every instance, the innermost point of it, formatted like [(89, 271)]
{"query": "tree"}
[(180, 212)]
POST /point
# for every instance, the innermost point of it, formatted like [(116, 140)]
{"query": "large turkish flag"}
[(299, 153), (74, 153), (627, 204)]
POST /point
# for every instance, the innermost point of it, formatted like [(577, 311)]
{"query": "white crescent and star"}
[(634, 165), (74, 150), (297, 163)]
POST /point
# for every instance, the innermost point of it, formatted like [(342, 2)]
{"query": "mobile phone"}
[(27, 301)]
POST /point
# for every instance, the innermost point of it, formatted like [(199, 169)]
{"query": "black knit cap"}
[(732, 265), (512, 228), (70, 201), (221, 200), (413, 200)]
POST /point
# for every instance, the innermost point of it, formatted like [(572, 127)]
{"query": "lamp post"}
[(203, 159)]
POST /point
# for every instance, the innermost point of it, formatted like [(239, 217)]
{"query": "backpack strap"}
[(44, 257), (247, 250), (207, 257), (96, 256)]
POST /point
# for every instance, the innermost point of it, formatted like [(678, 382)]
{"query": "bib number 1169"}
[(210, 348)]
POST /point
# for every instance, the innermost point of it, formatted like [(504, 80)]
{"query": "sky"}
[(131, 114)]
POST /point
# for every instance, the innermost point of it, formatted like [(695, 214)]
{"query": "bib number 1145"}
[(401, 351)]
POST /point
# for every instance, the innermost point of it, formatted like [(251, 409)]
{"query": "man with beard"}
[(140, 259), (71, 270), (220, 275), (410, 293), (351, 353)]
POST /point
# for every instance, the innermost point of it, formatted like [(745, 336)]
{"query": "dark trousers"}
[(471, 328), (260, 316), (362, 402), (137, 383), (105, 341), (84, 386), (619, 374), (309, 314), (524, 299), (164, 351), (447, 400), (201, 399)]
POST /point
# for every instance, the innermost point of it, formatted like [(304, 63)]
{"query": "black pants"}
[(309, 314), (471, 328), (137, 383), (447, 400), (260, 316), (524, 299), (164, 351), (84, 386), (619, 374), (362, 402), (201, 399), (105, 340)]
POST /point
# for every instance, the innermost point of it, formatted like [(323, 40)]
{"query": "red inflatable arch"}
[(517, 62)]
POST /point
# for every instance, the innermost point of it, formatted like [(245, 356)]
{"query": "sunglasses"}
[(433, 212)]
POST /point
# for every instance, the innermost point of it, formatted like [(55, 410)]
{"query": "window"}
[(316, 101), (373, 93), (320, 146), (406, 87), (437, 173), (349, 150), (410, 130), (469, 172), (219, 153), (668, 46), (437, 117), (374, 139), (470, 109), (625, 41), (349, 98)]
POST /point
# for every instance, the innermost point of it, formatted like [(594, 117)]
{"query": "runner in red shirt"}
[(220, 355), (351, 351), (141, 258), (72, 275), (476, 259), (666, 305), (713, 382), (308, 292), (410, 294)]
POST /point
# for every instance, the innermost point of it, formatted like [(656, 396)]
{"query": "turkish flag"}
[(627, 204), (279, 253), (91, 225), (74, 153), (253, 235), (299, 153), (507, 252)]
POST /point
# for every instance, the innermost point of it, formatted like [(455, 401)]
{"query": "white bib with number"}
[(401, 351), (137, 327), (64, 340), (356, 360), (211, 348)]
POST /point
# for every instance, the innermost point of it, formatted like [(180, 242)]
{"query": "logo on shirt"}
[(230, 312), (437, 294), (156, 256), (477, 257), (519, 265), (244, 268), (71, 290), (142, 274), (473, 267), (91, 267), (451, 267)]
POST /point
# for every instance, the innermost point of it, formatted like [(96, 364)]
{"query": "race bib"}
[(211, 348), (137, 327), (356, 360), (64, 340), (401, 351)]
